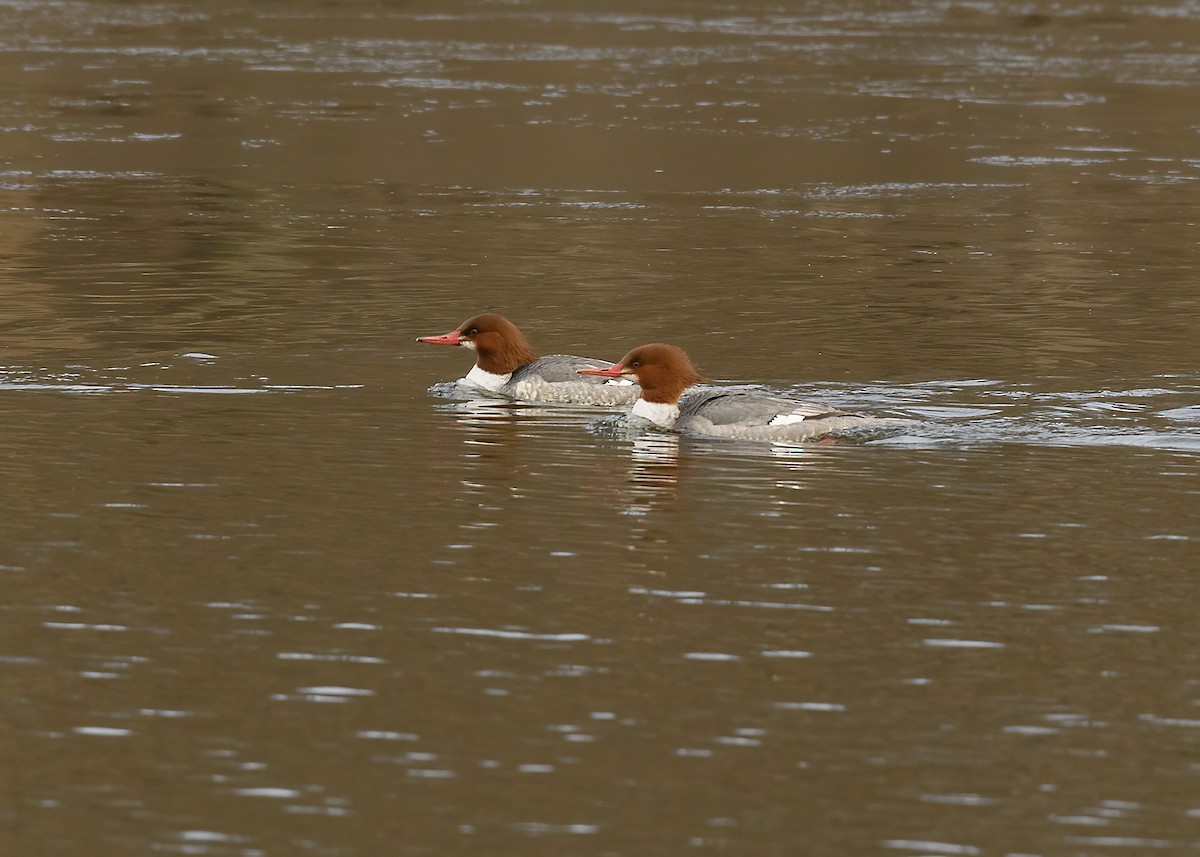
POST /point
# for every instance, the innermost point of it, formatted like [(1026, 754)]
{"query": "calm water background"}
[(262, 594)]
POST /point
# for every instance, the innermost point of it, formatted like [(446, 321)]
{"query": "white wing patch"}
[(800, 413)]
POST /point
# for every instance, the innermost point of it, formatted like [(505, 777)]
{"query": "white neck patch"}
[(659, 413), (487, 380)]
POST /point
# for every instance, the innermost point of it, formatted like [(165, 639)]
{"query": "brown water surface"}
[(263, 594)]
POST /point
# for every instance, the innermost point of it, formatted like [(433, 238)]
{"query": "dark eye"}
[(474, 331), (635, 364)]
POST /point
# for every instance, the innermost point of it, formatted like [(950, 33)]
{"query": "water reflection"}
[(484, 419), (659, 461), (655, 464)]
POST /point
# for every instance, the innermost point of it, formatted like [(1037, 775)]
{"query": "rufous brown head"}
[(500, 347), (662, 371)]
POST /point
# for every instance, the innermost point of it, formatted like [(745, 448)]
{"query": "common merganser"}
[(507, 366), (665, 373)]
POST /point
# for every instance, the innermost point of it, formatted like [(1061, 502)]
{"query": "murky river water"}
[(263, 594)]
